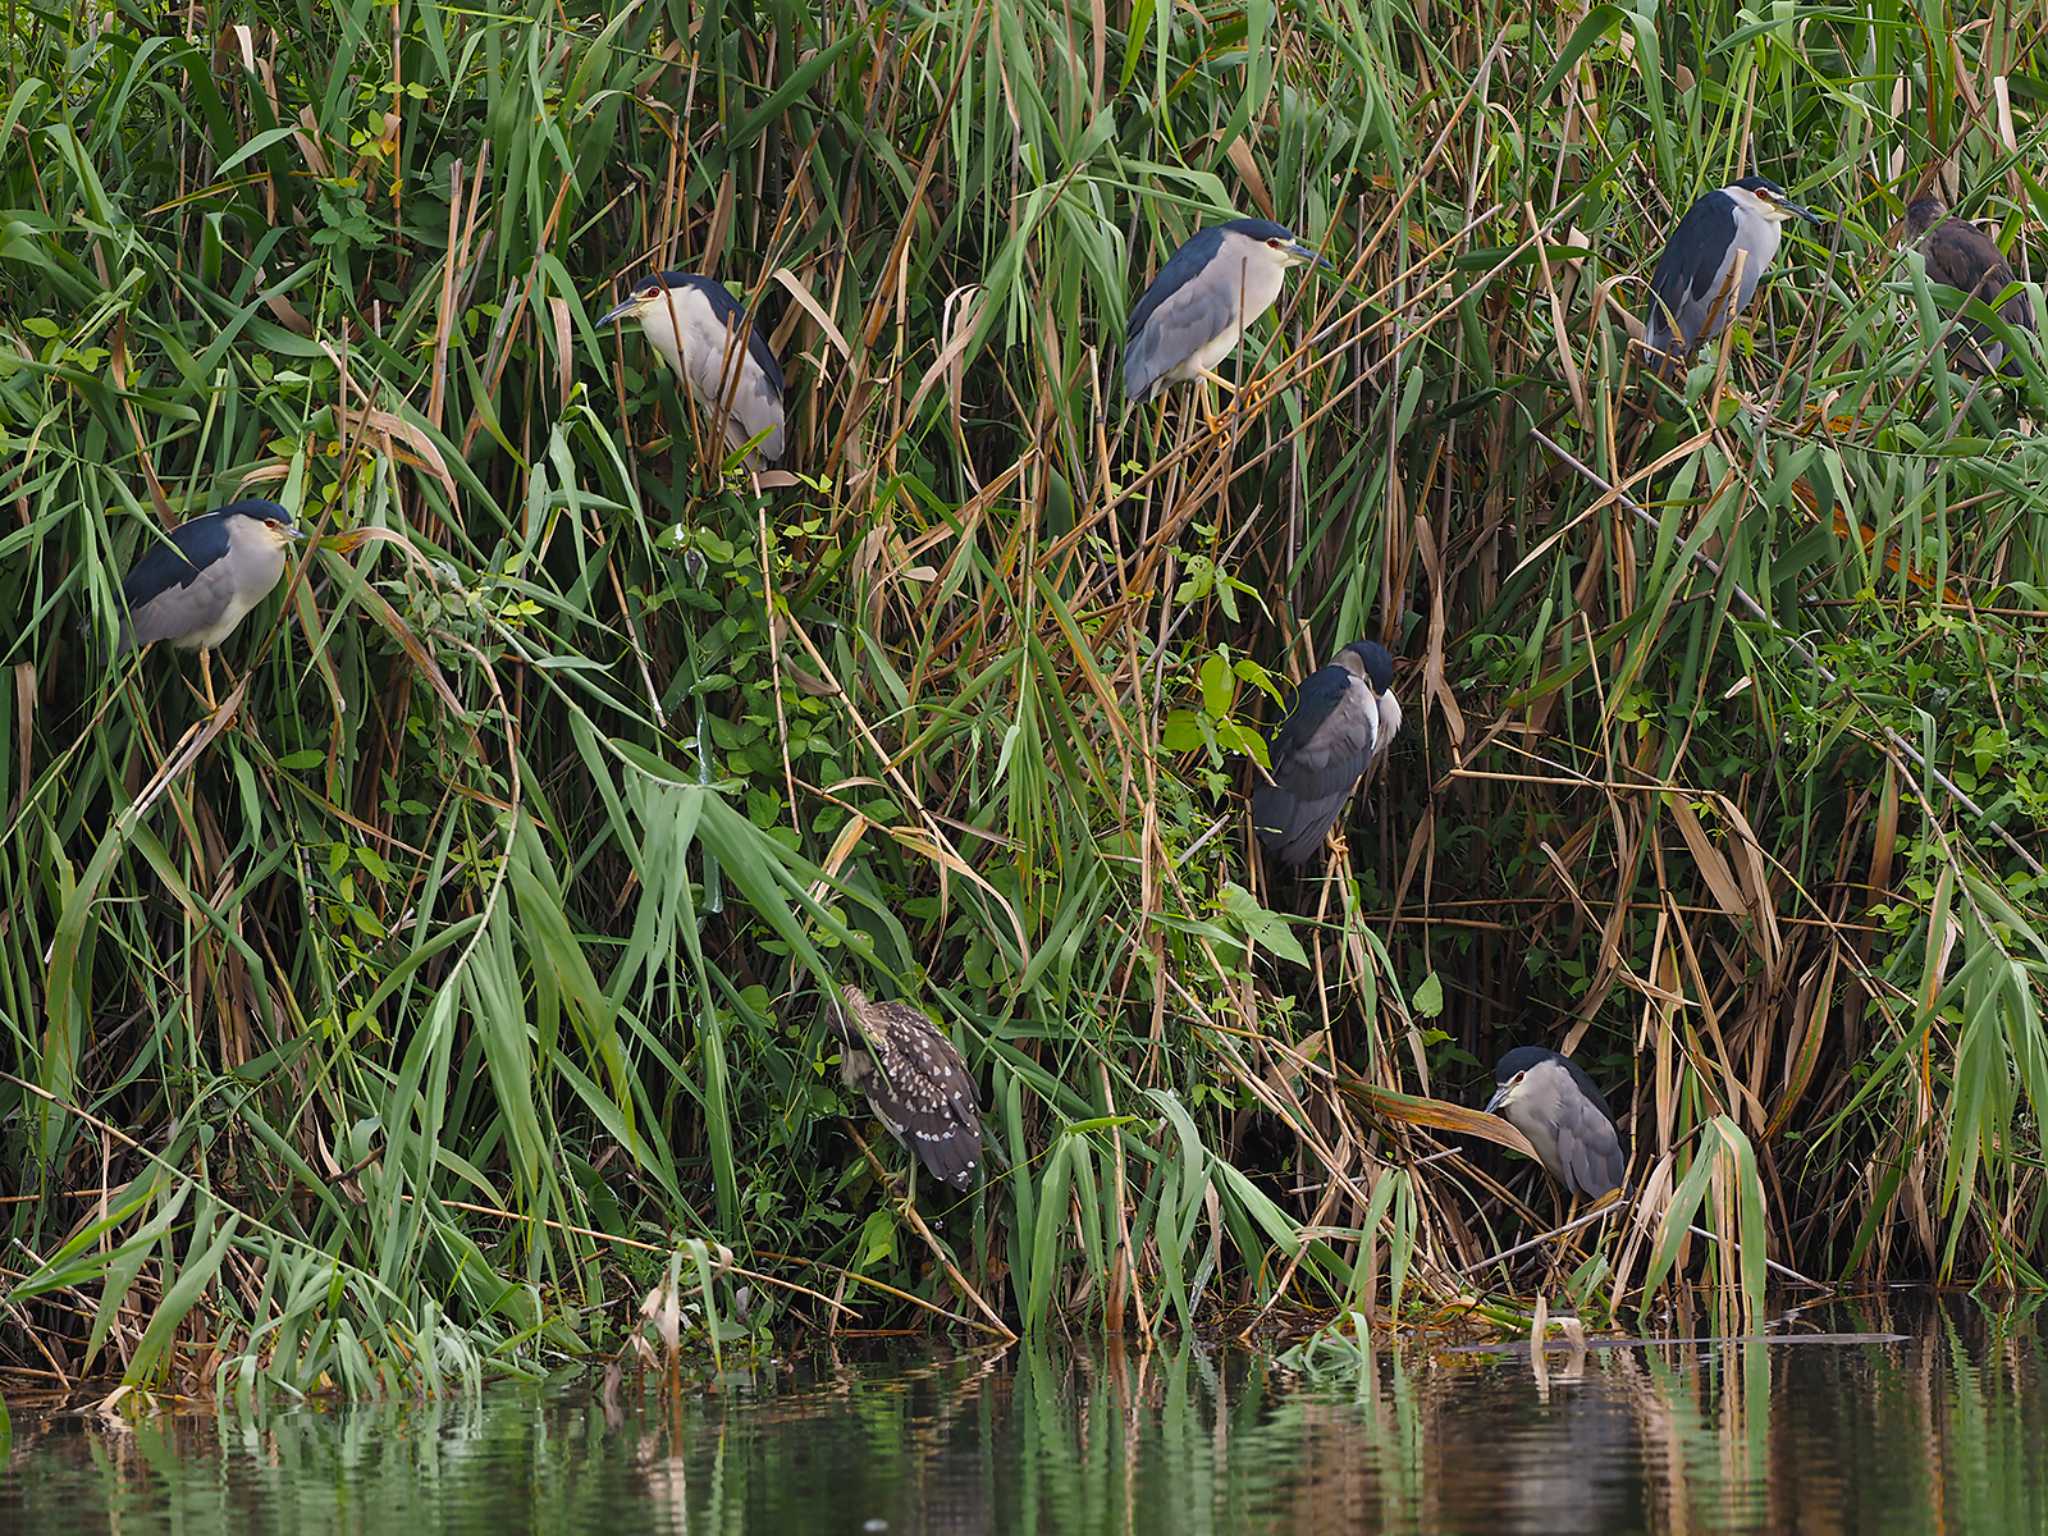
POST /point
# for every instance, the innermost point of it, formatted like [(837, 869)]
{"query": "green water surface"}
[(1942, 1427)]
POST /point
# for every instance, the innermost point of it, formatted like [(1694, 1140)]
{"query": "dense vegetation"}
[(406, 1021)]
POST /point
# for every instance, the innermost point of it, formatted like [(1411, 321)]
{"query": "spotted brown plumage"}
[(915, 1082)]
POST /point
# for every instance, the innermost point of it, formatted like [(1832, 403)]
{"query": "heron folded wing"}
[(1328, 737), (756, 409), (1690, 272), (174, 561), (925, 1093), (952, 1154), (181, 609), (732, 313), (1592, 1159), (1963, 257), (1177, 316), (1293, 834)]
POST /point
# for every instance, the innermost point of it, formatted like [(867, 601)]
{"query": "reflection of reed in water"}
[(1938, 1431)]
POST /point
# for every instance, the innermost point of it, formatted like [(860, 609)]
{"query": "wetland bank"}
[(445, 1004)]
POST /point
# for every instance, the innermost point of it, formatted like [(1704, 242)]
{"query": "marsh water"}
[(1935, 1420)]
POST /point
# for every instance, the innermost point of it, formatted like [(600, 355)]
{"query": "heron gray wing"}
[(1690, 288), (1327, 740), (756, 410), (175, 560), (1292, 829), (181, 608), (1587, 1150), (1693, 264), (1181, 268), (1318, 754), (1191, 302), (731, 312)]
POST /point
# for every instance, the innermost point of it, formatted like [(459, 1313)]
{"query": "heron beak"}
[(1309, 254), (619, 311), (295, 532), (1804, 212), (1500, 1097)]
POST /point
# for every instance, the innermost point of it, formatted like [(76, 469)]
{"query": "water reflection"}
[(1942, 1429)]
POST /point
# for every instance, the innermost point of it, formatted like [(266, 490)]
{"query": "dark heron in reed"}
[(1344, 718), (723, 361), (1203, 300), (1712, 264), (198, 582), (1551, 1101)]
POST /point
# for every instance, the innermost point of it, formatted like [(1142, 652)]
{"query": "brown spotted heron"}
[(916, 1083)]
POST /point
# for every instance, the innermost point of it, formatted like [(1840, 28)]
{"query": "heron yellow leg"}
[(206, 676), (1209, 415)]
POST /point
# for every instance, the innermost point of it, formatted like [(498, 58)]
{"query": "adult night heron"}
[(915, 1082), (1203, 299), (1961, 256), (1696, 291), (1344, 718), (1550, 1100), (193, 587), (705, 335)]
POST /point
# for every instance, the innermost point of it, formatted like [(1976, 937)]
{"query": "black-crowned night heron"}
[(1961, 256), (1550, 1100), (704, 333), (195, 585), (1203, 299), (1695, 291), (1344, 717), (915, 1082)]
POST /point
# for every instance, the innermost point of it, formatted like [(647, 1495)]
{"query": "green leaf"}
[(1429, 997), (1217, 688), (1260, 926), (1181, 732), (177, 1301)]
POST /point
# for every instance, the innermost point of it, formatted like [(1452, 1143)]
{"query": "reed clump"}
[(398, 1028)]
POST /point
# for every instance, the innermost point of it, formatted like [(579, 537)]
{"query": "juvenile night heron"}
[(1344, 717), (915, 1082), (705, 335), (1550, 1100), (1203, 299), (1695, 291), (1961, 256), (193, 587)]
